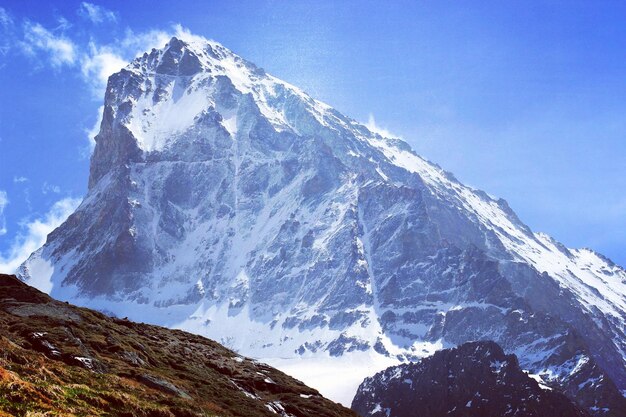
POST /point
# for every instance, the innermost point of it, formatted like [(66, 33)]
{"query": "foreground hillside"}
[(58, 359), (476, 379)]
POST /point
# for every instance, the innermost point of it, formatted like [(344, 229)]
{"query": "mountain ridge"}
[(224, 198), (473, 379)]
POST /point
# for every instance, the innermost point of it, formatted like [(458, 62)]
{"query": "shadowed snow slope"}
[(229, 203)]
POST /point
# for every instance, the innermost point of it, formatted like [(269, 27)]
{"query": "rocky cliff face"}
[(474, 379), (58, 359), (229, 203)]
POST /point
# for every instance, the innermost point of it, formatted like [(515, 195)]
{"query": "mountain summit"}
[(227, 202)]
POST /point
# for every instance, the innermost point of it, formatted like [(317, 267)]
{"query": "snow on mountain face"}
[(227, 202)]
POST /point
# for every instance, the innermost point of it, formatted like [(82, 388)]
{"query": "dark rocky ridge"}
[(63, 360), (475, 379)]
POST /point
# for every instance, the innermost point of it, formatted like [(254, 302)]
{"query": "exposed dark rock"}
[(162, 385), (476, 379)]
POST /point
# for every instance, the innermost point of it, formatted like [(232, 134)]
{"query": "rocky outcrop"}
[(85, 363), (476, 379)]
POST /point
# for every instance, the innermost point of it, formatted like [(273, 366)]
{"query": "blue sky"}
[(526, 100)]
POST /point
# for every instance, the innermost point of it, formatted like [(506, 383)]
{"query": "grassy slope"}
[(56, 359)]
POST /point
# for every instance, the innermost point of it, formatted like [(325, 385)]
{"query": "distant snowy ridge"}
[(227, 202), (474, 379)]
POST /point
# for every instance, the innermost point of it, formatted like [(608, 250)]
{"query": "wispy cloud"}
[(19, 180), (92, 132), (34, 234), (5, 19), (38, 41), (6, 31), (373, 127), (48, 188), (94, 61), (139, 42), (3, 203), (72, 46), (98, 64), (63, 24), (96, 14), (99, 61)]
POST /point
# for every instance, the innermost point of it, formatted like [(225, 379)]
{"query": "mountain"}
[(58, 359), (475, 379), (228, 203)]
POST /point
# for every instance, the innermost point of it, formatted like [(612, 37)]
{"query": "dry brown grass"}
[(34, 382)]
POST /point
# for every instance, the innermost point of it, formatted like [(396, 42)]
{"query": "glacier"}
[(227, 202)]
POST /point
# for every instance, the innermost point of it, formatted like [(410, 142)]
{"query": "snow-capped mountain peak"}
[(180, 71), (227, 202)]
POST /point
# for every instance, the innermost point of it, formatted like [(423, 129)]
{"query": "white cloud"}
[(5, 19), (99, 62), (96, 14), (184, 34), (93, 131), (3, 203), (63, 24), (6, 29), (34, 234), (19, 180), (95, 61), (98, 65), (373, 127), (59, 49), (137, 43), (47, 188)]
